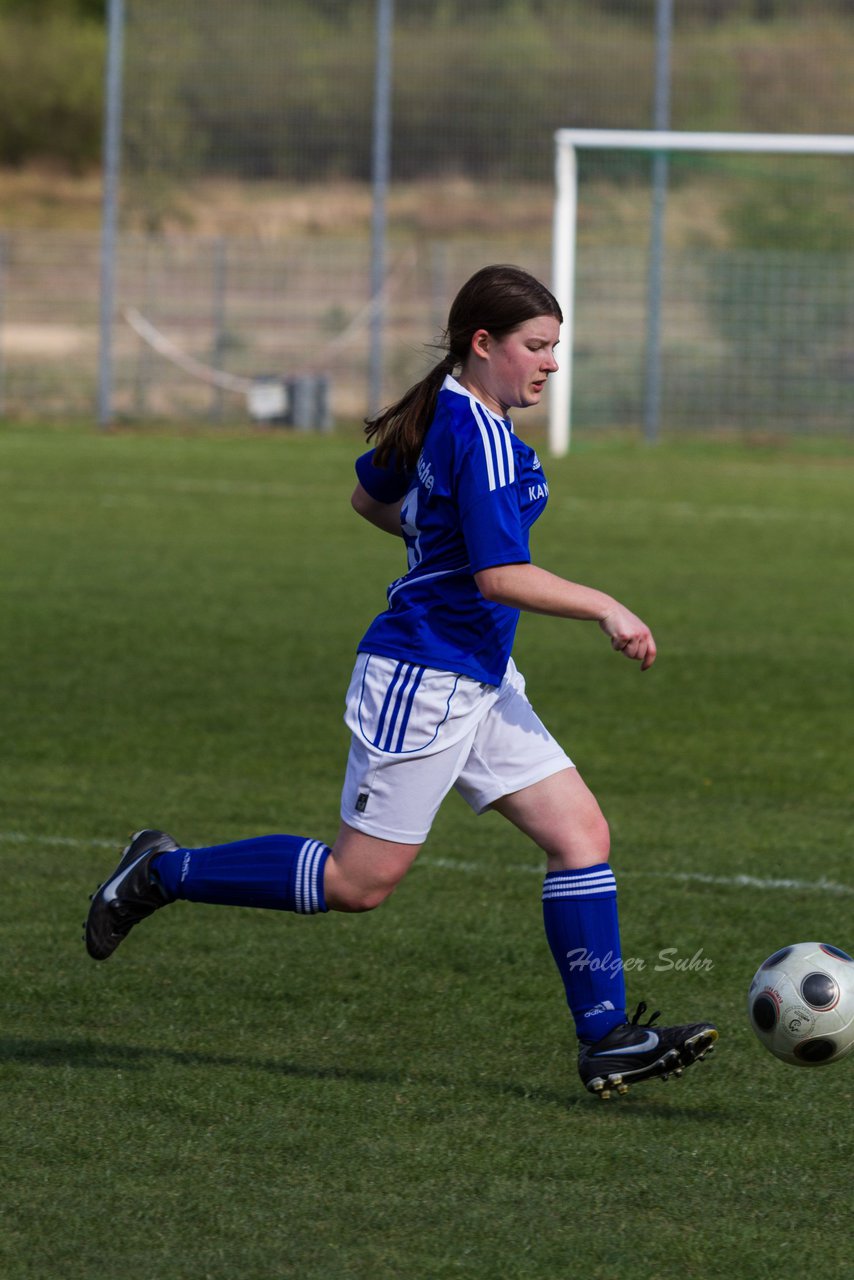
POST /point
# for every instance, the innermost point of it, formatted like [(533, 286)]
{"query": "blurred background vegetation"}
[(782, 65), (246, 201)]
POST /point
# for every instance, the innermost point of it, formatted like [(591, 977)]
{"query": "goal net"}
[(707, 282)]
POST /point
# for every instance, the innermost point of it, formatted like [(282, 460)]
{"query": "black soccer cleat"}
[(130, 894), (636, 1051)]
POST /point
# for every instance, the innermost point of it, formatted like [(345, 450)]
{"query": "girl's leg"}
[(580, 914), (289, 873), (561, 815), (363, 870), (282, 872)]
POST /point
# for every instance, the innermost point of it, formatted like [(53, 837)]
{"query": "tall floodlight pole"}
[(3, 287), (110, 203), (661, 121), (380, 178)]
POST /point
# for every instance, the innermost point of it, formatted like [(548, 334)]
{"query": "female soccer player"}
[(436, 701)]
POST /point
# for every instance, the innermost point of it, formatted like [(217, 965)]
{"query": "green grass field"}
[(394, 1095)]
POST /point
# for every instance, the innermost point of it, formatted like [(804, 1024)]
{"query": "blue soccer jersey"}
[(469, 505)]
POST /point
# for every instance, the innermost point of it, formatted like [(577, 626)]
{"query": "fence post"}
[(109, 215), (381, 154), (652, 398), (3, 257), (220, 282)]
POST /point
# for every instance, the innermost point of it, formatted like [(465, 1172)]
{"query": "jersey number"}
[(411, 532)]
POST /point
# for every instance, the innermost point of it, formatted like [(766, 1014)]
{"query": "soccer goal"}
[(762, 327)]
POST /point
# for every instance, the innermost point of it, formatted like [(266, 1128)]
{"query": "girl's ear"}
[(480, 343)]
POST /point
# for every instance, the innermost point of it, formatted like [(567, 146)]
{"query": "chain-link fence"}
[(48, 324), (244, 248), (753, 341)]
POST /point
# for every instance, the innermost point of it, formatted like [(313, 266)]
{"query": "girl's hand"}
[(629, 635)]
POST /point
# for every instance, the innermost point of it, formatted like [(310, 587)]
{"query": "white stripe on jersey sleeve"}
[(495, 438), (499, 453), (490, 470), (507, 440)]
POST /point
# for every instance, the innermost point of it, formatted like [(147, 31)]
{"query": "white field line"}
[(623, 508), (66, 842), (676, 510), (120, 489), (691, 877), (477, 868)]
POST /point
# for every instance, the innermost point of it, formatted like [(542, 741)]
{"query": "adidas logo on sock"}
[(604, 1007)]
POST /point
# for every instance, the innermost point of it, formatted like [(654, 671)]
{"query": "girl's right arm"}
[(385, 515)]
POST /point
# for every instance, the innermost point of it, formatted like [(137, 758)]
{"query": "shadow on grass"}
[(94, 1054)]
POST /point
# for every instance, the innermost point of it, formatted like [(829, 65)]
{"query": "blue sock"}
[(583, 931), (282, 872)]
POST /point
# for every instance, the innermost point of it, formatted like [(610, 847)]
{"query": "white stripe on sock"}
[(312, 878), (299, 882), (572, 885), (306, 894), (578, 882)]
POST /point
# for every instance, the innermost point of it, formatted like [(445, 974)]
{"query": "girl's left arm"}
[(526, 586)]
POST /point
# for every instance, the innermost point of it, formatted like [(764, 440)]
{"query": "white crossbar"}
[(826, 144), (568, 143)]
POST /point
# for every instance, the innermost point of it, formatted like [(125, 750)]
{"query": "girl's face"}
[(511, 372)]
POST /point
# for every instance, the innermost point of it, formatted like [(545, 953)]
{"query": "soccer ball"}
[(801, 1004)]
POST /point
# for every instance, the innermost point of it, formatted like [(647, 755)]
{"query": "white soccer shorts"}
[(417, 732)]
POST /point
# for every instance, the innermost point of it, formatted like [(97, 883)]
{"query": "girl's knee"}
[(362, 870), (585, 845), (357, 898), (600, 835), (348, 888)]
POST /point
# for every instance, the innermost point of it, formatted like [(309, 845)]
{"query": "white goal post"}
[(568, 143)]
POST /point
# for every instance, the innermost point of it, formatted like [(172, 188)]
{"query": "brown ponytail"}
[(402, 427), (498, 299)]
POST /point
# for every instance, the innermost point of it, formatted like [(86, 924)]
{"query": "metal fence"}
[(49, 330), (189, 308), (244, 235), (754, 341)]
